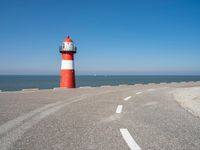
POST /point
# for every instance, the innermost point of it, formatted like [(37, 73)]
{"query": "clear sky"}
[(113, 37)]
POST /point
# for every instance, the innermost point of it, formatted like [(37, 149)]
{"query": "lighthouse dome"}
[(68, 39)]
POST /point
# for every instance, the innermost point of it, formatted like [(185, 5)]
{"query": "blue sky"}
[(129, 37)]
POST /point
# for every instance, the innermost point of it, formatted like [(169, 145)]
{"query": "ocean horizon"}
[(19, 82)]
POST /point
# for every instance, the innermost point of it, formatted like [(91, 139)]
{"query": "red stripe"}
[(68, 56)]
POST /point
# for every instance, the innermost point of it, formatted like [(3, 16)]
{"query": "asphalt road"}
[(104, 118)]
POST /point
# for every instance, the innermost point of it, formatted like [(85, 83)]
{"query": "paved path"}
[(104, 118)]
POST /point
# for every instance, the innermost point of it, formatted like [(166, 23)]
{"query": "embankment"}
[(189, 98)]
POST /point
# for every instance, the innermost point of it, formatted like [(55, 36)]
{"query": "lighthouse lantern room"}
[(67, 46)]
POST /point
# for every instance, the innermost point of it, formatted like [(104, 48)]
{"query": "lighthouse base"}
[(67, 79)]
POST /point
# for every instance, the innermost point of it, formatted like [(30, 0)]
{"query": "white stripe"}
[(138, 93), (129, 140), (127, 98), (119, 109), (67, 64)]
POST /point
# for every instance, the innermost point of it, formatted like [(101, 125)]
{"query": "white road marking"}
[(129, 140), (119, 109), (14, 129), (127, 98), (138, 93)]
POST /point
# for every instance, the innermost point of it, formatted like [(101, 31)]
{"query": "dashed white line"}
[(129, 140), (127, 98), (138, 93), (119, 109)]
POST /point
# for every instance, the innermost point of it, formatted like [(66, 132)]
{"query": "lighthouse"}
[(67, 74)]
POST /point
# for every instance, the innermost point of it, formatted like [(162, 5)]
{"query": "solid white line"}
[(119, 109), (127, 98), (129, 140), (138, 93)]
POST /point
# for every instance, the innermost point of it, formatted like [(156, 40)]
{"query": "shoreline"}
[(171, 84), (16, 83)]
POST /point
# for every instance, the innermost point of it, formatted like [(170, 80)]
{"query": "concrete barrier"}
[(150, 84), (138, 85), (58, 88), (85, 87), (123, 85), (197, 83), (163, 83), (33, 89), (105, 86)]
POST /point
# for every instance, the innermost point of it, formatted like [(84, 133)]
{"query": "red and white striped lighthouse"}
[(67, 75)]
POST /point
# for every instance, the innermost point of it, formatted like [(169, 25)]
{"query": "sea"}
[(19, 82)]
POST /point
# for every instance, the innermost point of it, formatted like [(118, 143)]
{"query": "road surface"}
[(100, 118)]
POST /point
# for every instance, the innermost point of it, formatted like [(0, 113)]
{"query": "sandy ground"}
[(189, 98)]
